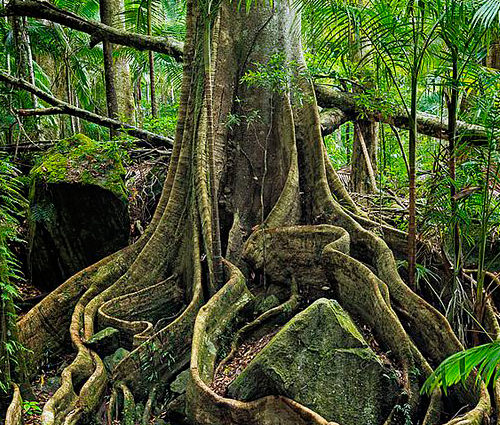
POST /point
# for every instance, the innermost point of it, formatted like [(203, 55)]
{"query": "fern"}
[(12, 203)]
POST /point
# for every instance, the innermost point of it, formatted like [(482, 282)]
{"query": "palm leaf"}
[(485, 359)]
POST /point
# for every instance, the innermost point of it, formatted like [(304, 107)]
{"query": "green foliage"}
[(12, 204), (404, 411), (249, 3), (277, 75), (485, 359), (165, 123), (153, 358), (32, 408)]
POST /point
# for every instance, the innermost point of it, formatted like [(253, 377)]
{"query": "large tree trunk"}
[(272, 180)]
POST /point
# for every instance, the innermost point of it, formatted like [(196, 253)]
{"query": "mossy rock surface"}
[(321, 360), (78, 210), (106, 341), (178, 386), (79, 159), (111, 361)]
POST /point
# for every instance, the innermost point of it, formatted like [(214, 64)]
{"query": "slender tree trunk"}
[(123, 82), (365, 141), (493, 56), (69, 96), (412, 210), (452, 141), (109, 69), (364, 165), (151, 58), (24, 59)]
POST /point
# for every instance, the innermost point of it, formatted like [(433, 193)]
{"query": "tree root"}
[(15, 411), (279, 313), (203, 405), (338, 253)]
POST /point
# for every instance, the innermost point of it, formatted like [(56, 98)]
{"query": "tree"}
[(269, 161), (116, 71)]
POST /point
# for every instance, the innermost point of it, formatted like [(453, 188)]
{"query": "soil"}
[(43, 388), (245, 353)]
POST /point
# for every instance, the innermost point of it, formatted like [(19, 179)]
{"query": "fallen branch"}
[(41, 9), (341, 107), (65, 108)]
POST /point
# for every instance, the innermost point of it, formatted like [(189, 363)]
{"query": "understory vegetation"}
[(258, 212)]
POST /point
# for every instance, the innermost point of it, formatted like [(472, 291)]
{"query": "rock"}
[(177, 409), (111, 361), (178, 386), (321, 360), (78, 210), (105, 341)]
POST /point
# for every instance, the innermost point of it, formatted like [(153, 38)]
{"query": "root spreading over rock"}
[(284, 214)]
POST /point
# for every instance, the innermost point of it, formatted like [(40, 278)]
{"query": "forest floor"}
[(245, 353), (46, 384)]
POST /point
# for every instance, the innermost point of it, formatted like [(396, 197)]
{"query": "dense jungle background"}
[(249, 212)]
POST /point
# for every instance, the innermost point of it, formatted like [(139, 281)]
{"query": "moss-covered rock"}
[(321, 360), (106, 341), (79, 159), (78, 210), (178, 386), (112, 360)]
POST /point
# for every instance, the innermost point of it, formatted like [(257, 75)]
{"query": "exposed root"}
[(15, 411), (203, 405), (339, 252), (279, 313)]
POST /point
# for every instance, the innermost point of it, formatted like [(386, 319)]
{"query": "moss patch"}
[(80, 159)]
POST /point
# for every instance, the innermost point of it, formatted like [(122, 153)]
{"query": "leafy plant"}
[(459, 367), (31, 407), (277, 75), (11, 205)]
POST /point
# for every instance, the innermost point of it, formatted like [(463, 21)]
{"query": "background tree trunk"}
[(106, 12), (361, 182), (119, 92)]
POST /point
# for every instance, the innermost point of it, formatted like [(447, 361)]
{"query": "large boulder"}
[(78, 210), (321, 360)]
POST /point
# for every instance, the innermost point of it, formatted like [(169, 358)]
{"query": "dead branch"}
[(41, 9), (65, 108), (341, 107)]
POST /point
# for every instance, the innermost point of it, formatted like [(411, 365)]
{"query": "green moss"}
[(80, 159)]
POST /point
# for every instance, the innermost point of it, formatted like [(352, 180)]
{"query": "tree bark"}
[(121, 72), (106, 12), (151, 59), (364, 157), (272, 166)]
